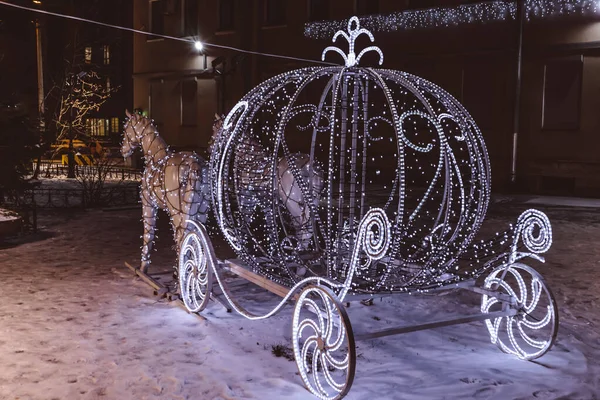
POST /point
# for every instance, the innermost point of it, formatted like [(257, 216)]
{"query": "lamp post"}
[(520, 17), (40, 73)]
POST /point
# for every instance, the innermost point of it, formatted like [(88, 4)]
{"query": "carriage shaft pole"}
[(437, 324)]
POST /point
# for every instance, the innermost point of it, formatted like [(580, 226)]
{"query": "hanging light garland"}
[(439, 17)]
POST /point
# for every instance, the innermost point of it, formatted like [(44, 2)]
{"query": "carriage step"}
[(437, 324)]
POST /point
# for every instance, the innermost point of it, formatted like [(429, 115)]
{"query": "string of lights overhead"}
[(478, 13), (198, 45)]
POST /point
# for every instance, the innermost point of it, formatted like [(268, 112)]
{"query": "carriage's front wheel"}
[(323, 342), (531, 332), (195, 272)]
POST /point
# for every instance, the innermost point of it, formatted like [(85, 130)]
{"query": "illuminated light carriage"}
[(378, 188)]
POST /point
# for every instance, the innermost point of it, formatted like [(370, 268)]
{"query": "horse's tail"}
[(197, 190)]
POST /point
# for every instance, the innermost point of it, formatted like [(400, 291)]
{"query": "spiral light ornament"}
[(531, 332), (375, 231), (534, 228), (323, 343), (195, 273)]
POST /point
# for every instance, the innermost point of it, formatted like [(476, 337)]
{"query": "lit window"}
[(88, 55), (106, 49), (98, 126), (115, 125)]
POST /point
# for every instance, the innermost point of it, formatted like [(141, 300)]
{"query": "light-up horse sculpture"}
[(253, 180), (174, 182)]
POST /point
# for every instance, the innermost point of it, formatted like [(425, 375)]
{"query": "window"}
[(97, 126), (480, 94), (88, 55), (157, 17), (366, 7), (562, 93), (106, 49), (157, 102), (190, 18), (115, 125), (274, 12), (226, 15), (189, 102), (318, 10)]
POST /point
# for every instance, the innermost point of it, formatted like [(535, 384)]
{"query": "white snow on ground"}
[(76, 324), (548, 200)]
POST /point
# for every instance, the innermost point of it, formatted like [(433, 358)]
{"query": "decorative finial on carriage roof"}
[(351, 58)]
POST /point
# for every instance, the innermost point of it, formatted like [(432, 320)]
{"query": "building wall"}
[(65, 42), (475, 63)]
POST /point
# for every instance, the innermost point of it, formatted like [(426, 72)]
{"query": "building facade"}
[(467, 47), (73, 47)]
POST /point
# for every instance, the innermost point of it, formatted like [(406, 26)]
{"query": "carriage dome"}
[(304, 156)]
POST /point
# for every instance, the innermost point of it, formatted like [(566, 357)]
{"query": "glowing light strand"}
[(479, 13), (174, 182)]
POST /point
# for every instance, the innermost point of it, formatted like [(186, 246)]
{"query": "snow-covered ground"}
[(76, 324)]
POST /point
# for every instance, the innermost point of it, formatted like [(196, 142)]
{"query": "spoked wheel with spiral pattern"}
[(323, 343), (531, 332), (195, 272)]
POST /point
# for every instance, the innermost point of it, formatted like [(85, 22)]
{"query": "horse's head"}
[(131, 133)]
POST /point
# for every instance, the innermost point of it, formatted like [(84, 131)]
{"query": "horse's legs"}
[(149, 213)]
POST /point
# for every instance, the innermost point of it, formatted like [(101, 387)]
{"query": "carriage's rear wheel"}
[(532, 331), (195, 272), (323, 343)]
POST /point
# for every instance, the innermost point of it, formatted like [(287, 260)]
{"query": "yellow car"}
[(84, 154), (64, 144)]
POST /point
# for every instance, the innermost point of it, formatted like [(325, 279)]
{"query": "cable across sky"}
[(156, 35)]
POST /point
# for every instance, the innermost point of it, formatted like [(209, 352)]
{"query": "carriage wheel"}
[(195, 273), (531, 332), (323, 343)]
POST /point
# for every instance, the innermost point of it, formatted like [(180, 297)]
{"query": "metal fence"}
[(120, 195), (65, 198), (52, 170)]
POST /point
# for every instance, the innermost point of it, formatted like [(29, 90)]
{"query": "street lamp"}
[(198, 45)]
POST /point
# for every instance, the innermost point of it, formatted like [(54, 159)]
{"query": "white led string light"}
[(198, 45), (174, 182), (459, 183), (289, 183), (354, 31), (531, 318), (478, 13)]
